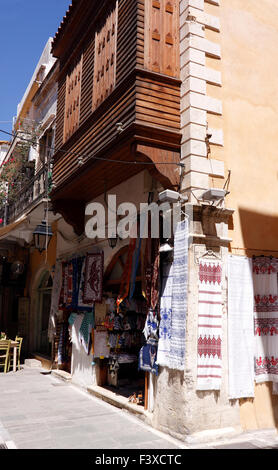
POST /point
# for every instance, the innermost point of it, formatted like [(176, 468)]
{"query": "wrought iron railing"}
[(28, 196)]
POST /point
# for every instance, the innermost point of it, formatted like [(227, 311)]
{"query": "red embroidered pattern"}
[(266, 303), (266, 326), (208, 346), (210, 273), (266, 365), (265, 265)]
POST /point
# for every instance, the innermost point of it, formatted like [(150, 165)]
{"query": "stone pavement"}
[(39, 411)]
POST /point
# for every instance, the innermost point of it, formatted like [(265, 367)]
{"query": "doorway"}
[(44, 305), (125, 336)]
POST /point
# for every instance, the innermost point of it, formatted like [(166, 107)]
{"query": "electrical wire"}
[(93, 157)]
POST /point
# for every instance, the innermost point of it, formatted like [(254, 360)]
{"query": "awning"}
[(4, 231)]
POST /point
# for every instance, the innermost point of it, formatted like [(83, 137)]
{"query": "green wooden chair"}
[(18, 351), (19, 339), (5, 354)]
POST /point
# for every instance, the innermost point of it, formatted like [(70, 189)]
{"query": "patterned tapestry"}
[(93, 278), (265, 271), (209, 363), (175, 358)]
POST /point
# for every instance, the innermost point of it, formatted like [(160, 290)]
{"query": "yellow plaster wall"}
[(249, 67), (38, 260)]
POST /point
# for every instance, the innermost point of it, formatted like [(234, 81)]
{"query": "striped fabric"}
[(209, 364)]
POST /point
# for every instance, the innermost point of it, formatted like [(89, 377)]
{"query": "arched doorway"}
[(44, 303)]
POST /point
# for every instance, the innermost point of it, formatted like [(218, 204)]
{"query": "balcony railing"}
[(36, 189)]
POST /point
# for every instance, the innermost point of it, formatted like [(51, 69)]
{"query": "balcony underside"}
[(123, 159)]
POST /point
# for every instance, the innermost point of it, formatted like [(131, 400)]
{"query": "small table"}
[(14, 345)]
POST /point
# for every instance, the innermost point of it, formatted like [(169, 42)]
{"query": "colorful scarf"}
[(265, 271), (209, 364)]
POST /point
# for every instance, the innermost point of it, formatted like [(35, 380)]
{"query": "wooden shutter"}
[(72, 102), (105, 58), (162, 37)]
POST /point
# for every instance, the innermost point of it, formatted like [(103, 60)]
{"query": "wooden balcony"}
[(118, 100)]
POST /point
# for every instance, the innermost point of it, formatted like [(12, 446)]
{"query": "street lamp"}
[(42, 236), (113, 241)]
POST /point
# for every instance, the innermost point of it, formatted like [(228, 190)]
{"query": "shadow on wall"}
[(259, 232), (260, 237)]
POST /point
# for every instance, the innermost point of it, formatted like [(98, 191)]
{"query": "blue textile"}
[(148, 356)]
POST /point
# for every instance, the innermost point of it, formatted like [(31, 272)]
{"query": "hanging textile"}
[(93, 278), (77, 264), (86, 327), (151, 274), (101, 349), (55, 294), (75, 337), (69, 292), (61, 297), (179, 297), (265, 271), (164, 344), (125, 281), (148, 356), (151, 325), (155, 273), (240, 327), (209, 363), (62, 351)]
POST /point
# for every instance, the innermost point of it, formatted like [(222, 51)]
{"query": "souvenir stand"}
[(113, 315)]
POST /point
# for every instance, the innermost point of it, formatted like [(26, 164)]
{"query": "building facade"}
[(154, 96)]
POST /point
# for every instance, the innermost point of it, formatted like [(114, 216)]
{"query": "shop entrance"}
[(124, 328)]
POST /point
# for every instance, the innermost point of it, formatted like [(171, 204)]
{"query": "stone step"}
[(33, 363)]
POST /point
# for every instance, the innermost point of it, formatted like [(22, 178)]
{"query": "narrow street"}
[(40, 411)]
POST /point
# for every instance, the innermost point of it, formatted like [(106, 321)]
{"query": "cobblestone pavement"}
[(39, 411)]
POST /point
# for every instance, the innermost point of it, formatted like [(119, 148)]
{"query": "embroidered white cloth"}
[(265, 271), (209, 362), (179, 297), (164, 343), (241, 340), (55, 294)]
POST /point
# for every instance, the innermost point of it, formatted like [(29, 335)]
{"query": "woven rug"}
[(240, 327), (209, 363), (265, 271)]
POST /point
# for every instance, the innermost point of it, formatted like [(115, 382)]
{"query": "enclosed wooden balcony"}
[(118, 100)]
